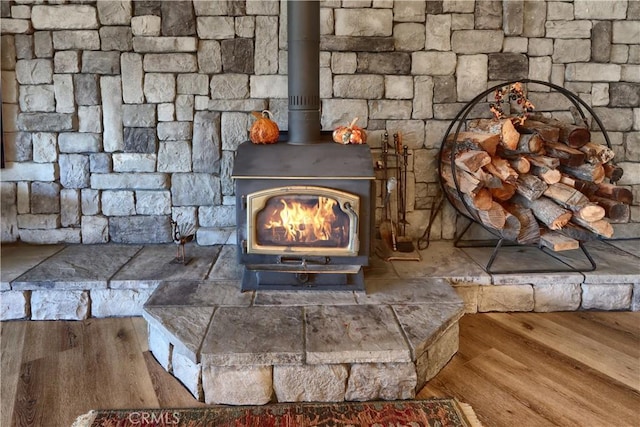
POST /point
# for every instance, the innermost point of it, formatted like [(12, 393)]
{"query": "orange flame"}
[(303, 223)]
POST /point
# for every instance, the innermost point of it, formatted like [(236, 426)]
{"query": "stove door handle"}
[(304, 261), (348, 207)]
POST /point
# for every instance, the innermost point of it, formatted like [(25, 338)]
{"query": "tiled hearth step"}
[(290, 346), (79, 281)]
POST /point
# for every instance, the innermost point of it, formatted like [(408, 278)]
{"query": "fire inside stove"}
[(303, 219)]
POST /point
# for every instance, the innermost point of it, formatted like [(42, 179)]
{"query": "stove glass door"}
[(302, 219)]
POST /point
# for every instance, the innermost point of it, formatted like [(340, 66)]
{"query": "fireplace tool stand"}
[(500, 241)]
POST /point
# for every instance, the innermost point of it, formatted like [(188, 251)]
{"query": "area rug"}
[(414, 413)]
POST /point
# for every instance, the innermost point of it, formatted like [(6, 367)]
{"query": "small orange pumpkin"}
[(264, 130), (351, 134)]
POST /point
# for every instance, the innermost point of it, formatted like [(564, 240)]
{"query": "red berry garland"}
[(515, 92)]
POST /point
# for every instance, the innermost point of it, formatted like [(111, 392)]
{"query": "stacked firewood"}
[(538, 181)]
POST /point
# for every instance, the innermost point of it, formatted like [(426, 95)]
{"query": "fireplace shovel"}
[(387, 227)]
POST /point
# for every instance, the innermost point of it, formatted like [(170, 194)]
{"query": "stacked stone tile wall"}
[(121, 115)]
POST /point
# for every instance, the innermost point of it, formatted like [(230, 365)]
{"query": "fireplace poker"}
[(405, 156), (397, 143), (385, 152)]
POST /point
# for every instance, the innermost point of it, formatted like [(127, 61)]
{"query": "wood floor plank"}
[(546, 361), (620, 320), (44, 338), (111, 352), (604, 332), (35, 399), (142, 332), (565, 407), (77, 394), (493, 405), (11, 346), (610, 361)]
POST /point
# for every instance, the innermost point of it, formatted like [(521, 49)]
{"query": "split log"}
[(597, 153), (504, 192), (617, 212), (621, 194), (613, 172), (579, 233), (574, 200), (495, 217), (550, 176), (548, 162), (472, 160), (557, 242), (467, 183), (591, 212), (545, 168), (529, 228), (547, 211), (601, 228), (509, 136), (520, 165), (481, 200), (530, 186), (586, 188), (500, 167), (566, 196), (547, 132), (512, 227), (586, 172), (487, 179), (487, 141), (529, 143), (568, 156), (573, 135)]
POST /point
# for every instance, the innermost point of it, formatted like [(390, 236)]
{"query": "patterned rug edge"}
[(464, 410)]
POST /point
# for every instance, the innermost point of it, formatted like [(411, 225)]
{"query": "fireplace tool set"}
[(394, 164)]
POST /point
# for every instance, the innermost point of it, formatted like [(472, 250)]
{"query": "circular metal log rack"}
[(458, 122)]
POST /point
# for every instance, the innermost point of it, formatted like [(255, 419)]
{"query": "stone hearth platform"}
[(256, 347), (233, 347)]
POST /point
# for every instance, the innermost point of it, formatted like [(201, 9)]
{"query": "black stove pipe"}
[(303, 29)]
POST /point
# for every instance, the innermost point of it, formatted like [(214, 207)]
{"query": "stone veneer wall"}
[(120, 115)]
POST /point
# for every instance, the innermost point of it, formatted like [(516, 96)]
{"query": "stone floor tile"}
[(200, 294), (17, 259), (516, 260), (226, 266), (77, 267), (442, 260), (632, 245), (423, 324), (153, 265), (378, 268), (184, 327), (613, 265), (354, 334), (414, 291), (297, 298), (254, 336)]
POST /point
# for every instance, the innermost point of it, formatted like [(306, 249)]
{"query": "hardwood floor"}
[(525, 369)]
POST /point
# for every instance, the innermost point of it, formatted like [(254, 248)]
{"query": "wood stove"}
[(304, 215), (304, 207)]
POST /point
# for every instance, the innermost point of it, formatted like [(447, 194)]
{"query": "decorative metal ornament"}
[(182, 234)]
